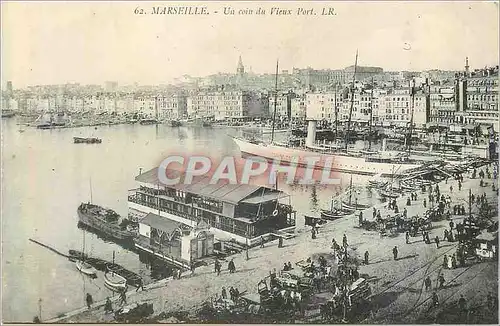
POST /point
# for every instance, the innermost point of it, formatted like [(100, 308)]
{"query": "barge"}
[(91, 140), (104, 220)]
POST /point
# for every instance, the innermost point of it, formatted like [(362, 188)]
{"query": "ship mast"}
[(412, 103), (352, 101), (371, 117), (350, 191), (275, 101)]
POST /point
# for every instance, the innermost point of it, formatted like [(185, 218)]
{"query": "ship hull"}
[(111, 230), (345, 164)]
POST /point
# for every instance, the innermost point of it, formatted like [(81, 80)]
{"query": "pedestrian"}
[(445, 234), (280, 242), (366, 257), (445, 261), (425, 203), (123, 297), (313, 233), (395, 252), (453, 261), (408, 202), (231, 267), (261, 241), (360, 218), (405, 212), (435, 299), (231, 293), (89, 300), (451, 188), (428, 283), (374, 213), (344, 241), (224, 293), (436, 239), (459, 186), (407, 235), (107, 306), (140, 285), (218, 267), (192, 267), (441, 281), (462, 303)]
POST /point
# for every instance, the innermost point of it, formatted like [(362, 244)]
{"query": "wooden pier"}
[(105, 266)]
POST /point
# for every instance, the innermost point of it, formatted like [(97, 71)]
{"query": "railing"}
[(134, 199)]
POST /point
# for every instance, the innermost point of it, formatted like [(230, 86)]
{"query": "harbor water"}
[(45, 176)]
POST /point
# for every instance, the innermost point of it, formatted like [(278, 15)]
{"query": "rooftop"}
[(223, 190), (163, 224)]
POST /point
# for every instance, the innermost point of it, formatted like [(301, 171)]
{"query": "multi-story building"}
[(395, 107), (321, 106), (298, 108), (283, 105), (173, 106), (229, 103), (442, 105), (477, 92), (361, 106)]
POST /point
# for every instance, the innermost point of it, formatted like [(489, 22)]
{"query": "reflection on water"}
[(46, 177)]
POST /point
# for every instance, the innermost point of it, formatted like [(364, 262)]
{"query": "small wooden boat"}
[(390, 193), (354, 206), (175, 123), (93, 140), (335, 214), (115, 281), (86, 268)]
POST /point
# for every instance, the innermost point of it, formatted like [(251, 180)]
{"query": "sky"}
[(90, 42)]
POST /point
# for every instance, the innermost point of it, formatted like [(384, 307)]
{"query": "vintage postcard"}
[(250, 162)]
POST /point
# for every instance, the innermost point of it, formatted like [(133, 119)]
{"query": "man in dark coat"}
[(89, 300), (395, 252), (231, 266)]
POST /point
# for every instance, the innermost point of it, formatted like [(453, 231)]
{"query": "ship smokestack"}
[(311, 132)]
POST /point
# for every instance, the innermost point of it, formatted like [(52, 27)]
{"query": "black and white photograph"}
[(245, 162)]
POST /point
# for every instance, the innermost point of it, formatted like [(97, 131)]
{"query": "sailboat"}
[(345, 160), (389, 191), (349, 204), (114, 281), (82, 265)]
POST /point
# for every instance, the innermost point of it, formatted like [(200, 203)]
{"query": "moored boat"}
[(91, 140), (104, 220), (335, 213), (148, 121), (86, 268), (115, 281), (354, 206), (389, 193), (175, 123)]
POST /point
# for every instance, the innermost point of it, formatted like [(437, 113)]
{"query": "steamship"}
[(388, 164)]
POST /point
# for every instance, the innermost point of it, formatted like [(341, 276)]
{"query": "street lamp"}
[(246, 240)]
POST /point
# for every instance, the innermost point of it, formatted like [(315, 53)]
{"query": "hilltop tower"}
[(240, 70)]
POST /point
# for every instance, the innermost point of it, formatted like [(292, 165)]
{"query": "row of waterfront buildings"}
[(470, 97)]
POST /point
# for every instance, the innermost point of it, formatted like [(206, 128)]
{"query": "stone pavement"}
[(396, 285)]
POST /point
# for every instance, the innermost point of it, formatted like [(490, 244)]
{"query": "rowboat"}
[(390, 193), (335, 214), (115, 281), (85, 268), (354, 206)]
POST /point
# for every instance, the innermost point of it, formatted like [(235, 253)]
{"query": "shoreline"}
[(191, 291)]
